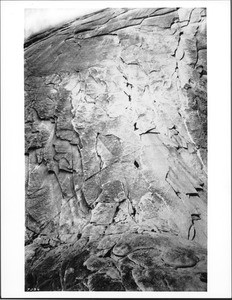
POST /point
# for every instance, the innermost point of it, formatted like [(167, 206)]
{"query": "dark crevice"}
[(108, 253), (178, 44), (128, 64), (203, 73), (129, 85), (115, 213), (101, 34), (188, 21), (135, 127), (76, 32), (192, 194), (199, 189), (195, 217), (150, 131), (189, 232), (79, 236), (133, 213), (136, 164), (203, 277), (101, 163), (124, 76), (177, 193), (129, 96)]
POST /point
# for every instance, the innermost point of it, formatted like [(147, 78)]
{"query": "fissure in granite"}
[(116, 153)]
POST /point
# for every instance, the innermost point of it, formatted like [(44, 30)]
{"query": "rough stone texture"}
[(116, 152)]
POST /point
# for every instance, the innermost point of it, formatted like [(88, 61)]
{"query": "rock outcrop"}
[(116, 153)]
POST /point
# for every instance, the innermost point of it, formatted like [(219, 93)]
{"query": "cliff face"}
[(116, 148)]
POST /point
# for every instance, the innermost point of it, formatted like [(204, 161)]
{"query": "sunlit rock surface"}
[(116, 153)]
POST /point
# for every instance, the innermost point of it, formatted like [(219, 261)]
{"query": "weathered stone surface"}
[(114, 191), (116, 152), (103, 282), (103, 213), (180, 258), (97, 263)]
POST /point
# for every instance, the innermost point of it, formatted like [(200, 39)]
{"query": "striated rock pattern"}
[(116, 153)]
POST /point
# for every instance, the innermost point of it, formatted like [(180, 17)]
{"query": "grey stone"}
[(116, 152)]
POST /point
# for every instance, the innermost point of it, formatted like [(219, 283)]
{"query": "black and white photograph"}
[(116, 152), (114, 190)]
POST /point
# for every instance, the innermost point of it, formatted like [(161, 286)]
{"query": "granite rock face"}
[(116, 153)]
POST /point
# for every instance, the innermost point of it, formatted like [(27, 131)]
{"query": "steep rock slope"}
[(116, 148)]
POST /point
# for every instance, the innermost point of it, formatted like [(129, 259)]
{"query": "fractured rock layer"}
[(116, 153)]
